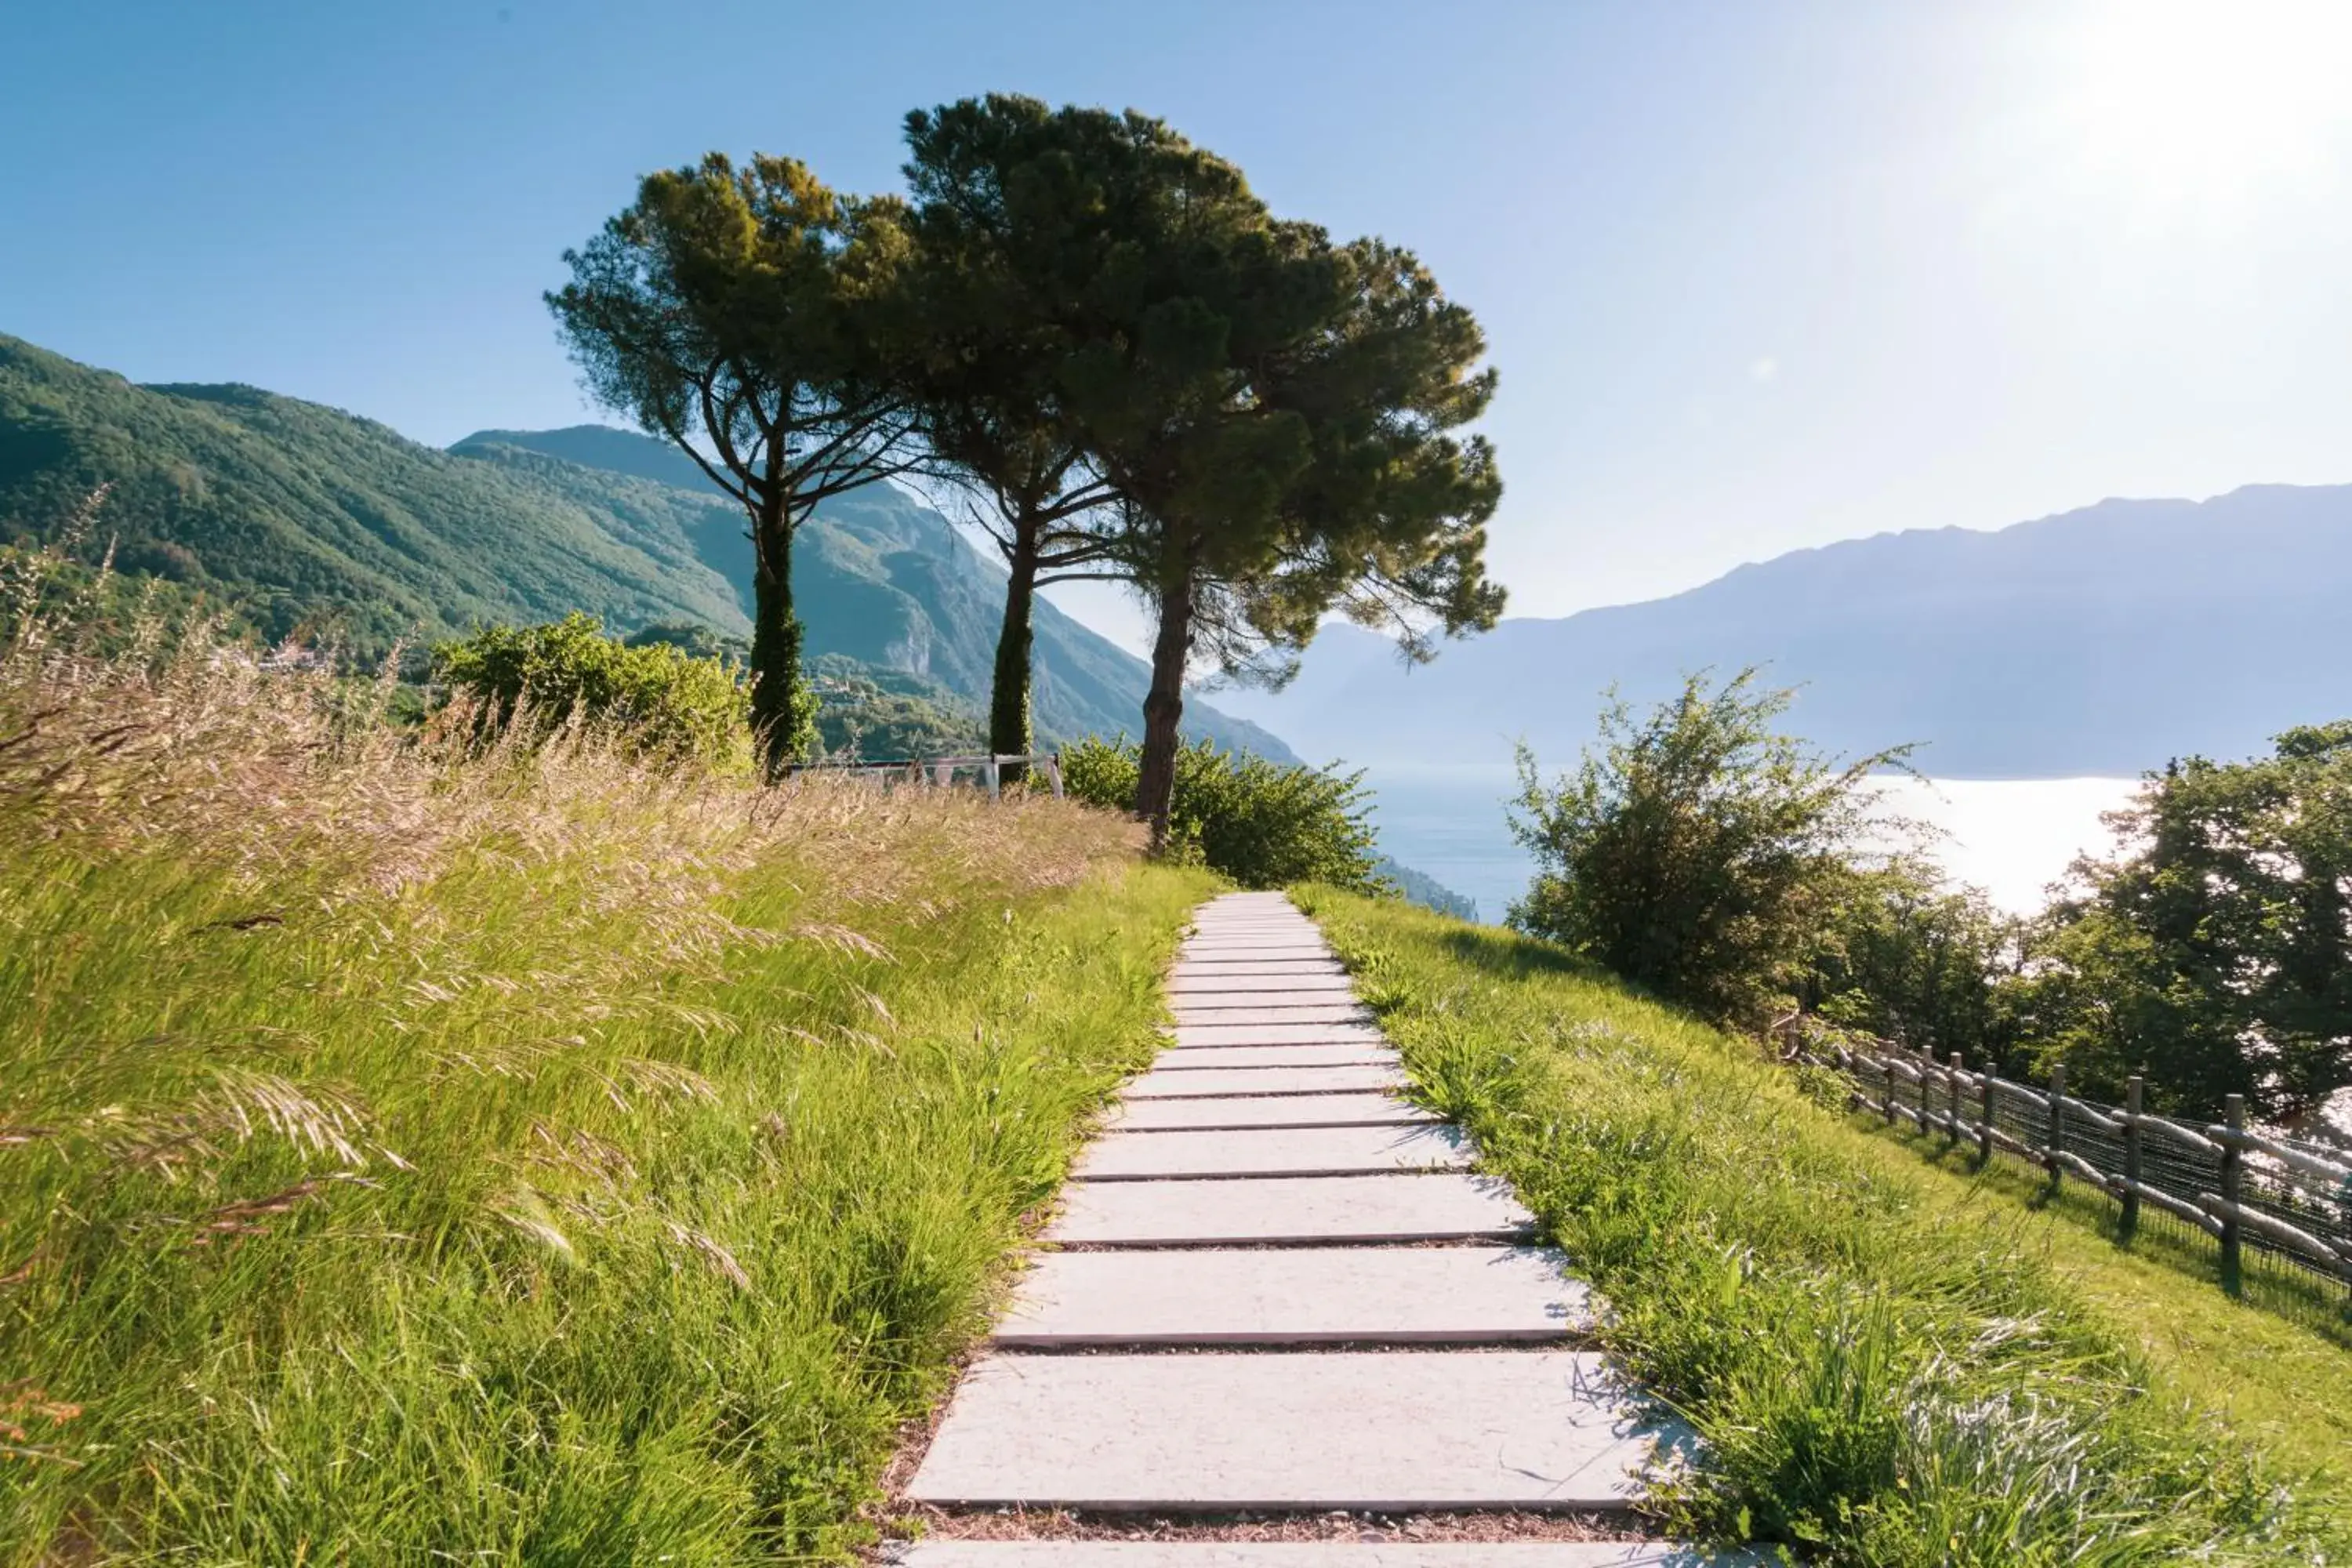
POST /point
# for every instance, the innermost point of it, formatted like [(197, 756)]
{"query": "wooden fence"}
[(2242, 1187), (988, 772)]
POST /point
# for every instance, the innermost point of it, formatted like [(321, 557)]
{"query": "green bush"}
[(1263, 824), (656, 700), (1699, 854)]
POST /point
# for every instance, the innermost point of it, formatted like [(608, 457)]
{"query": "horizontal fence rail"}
[(2241, 1186), (987, 771)]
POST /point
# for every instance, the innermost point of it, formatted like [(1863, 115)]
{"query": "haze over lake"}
[(2010, 837)]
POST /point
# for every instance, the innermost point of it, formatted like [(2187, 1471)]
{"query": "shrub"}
[(654, 699), (1700, 852), (1261, 824)]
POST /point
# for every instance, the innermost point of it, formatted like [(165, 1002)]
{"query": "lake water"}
[(2010, 837)]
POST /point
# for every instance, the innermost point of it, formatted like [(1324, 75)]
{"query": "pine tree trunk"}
[(1163, 710), (1010, 729), (779, 716)]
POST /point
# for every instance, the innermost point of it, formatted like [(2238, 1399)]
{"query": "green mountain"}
[(883, 579), (310, 520)]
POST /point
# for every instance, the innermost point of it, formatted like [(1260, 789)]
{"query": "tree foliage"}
[(1904, 956), (1261, 824), (1001, 196), (1275, 412), (2212, 954), (1699, 852), (742, 314), (653, 698)]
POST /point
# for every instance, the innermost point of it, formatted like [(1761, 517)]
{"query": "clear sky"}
[(1756, 274)]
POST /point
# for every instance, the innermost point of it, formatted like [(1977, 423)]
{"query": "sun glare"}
[(2213, 99)]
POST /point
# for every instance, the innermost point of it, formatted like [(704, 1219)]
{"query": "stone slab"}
[(1268, 1110), (1198, 1059), (1296, 1296), (1178, 1082), (1394, 1431), (1246, 1008), (1261, 1034), (1289, 1209), (1255, 947), (1343, 1553), (1272, 1151), (1261, 984)]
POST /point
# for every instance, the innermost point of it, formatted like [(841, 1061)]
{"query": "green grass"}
[(405, 1159), (1886, 1362)]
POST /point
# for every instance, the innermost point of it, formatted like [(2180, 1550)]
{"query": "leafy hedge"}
[(656, 700), (1262, 824)]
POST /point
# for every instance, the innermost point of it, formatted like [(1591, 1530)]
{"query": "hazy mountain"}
[(2106, 640), (306, 517), (886, 580)]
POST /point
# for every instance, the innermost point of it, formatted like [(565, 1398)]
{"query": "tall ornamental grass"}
[(413, 1152)]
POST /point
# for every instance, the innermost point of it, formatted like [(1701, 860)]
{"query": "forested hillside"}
[(886, 580), (307, 518), (302, 517)]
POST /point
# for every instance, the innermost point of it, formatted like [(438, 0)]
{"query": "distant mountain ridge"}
[(310, 520), (2101, 641)]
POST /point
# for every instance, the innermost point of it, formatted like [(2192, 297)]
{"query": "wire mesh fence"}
[(2245, 1188)]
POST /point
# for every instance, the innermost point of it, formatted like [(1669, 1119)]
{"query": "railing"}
[(2242, 1187), (988, 771)]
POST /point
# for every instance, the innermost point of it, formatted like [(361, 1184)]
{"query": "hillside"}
[(307, 519), (2106, 640), (881, 578)]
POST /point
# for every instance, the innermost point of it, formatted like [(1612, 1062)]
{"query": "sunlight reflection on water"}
[(2010, 837)]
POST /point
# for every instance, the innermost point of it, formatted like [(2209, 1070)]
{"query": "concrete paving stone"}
[(1297, 1295), (1338, 1553), (1335, 983), (1340, 1053), (1267, 1111), (1341, 1016), (1257, 1034), (1246, 1009), (1394, 1431), (1237, 958), (1172, 1083), (1272, 1151), (1257, 944), (1260, 969), (1291, 1209)]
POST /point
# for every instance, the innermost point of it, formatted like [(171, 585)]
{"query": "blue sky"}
[(1757, 276)]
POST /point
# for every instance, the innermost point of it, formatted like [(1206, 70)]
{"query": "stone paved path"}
[(1276, 1288)]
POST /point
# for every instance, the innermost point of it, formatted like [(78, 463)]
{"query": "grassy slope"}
[(2276, 1365), (406, 1157), (1889, 1365)]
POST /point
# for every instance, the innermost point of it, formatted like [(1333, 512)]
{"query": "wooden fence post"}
[(2057, 1136), (992, 772), (1953, 1130), (1886, 1060), (1984, 1117), (2127, 1222), (1927, 1071), (2233, 1182)]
